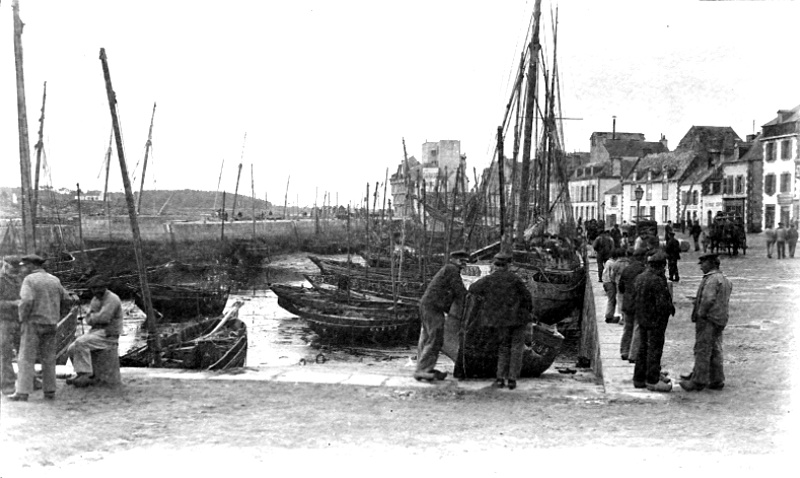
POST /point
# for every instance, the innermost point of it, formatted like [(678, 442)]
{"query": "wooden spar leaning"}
[(147, 147), (219, 181), (253, 194), (153, 346), (29, 240), (236, 193), (39, 148), (366, 269), (222, 215), (80, 219), (105, 190), (286, 198)]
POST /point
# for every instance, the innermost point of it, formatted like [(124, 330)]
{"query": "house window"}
[(594, 193), (769, 151), (786, 185), (739, 184), (716, 187), (786, 152), (695, 198), (649, 191), (769, 184), (582, 190), (709, 218), (664, 190), (652, 213), (769, 216), (614, 201), (664, 213)]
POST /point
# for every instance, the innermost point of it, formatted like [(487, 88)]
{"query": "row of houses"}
[(711, 170)]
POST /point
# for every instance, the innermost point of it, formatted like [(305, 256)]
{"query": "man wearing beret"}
[(653, 306), (445, 294), (41, 297), (105, 318), (10, 282), (710, 315), (507, 306)]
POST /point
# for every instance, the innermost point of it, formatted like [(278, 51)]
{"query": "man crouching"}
[(105, 317)]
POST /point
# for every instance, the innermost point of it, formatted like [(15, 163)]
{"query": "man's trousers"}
[(41, 339)]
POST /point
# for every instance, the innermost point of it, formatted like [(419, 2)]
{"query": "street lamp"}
[(639, 192)]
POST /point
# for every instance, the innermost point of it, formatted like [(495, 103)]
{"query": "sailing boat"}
[(539, 231)]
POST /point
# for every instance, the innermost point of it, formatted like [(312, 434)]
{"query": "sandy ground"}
[(208, 428)]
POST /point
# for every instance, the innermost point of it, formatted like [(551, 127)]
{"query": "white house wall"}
[(791, 198)]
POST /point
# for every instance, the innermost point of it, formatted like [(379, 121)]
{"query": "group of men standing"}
[(31, 300), (780, 238)]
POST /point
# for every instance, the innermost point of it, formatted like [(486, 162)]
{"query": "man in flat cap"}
[(105, 318), (629, 344), (653, 306), (11, 276), (444, 295), (41, 297), (507, 306), (710, 315)]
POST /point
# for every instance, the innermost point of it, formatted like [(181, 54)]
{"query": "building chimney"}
[(751, 138), (664, 142), (735, 150), (614, 128)]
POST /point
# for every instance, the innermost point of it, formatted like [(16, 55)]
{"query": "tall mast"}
[(147, 147), (239, 175), (533, 61), (105, 190), (39, 148), (152, 334), (29, 238), (218, 183)]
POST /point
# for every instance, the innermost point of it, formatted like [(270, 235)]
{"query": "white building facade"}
[(781, 164)]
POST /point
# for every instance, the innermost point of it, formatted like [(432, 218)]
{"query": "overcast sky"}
[(326, 90)]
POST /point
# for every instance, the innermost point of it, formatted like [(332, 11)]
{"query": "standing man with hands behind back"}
[(41, 297)]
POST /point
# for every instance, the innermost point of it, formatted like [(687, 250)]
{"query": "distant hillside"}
[(153, 202)]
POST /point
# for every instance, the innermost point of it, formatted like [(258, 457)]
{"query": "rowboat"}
[(409, 291), (212, 344), (381, 322)]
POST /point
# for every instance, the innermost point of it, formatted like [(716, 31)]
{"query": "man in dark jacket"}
[(673, 251), (507, 306), (445, 294), (653, 306), (602, 245), (616, 236), (629, 345), (695, 231)]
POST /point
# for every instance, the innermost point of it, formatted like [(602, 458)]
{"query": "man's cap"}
[(97, 281), (459, 254), (708, 257), (657, 257), (32, 259), (13, 260), (502, 257)]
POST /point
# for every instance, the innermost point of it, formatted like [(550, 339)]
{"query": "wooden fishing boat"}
[(213, 344), (366, 320), (556, 293), (178, 303), (330, 266), (410, 291), (319, 297)]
